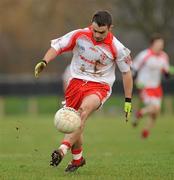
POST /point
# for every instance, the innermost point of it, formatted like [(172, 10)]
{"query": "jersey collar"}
[(154, 53)]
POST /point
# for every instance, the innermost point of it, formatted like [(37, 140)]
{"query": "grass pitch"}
[(112, 148)]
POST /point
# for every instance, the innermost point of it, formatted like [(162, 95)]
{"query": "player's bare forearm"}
[(50, 55), (40, 66), (127, 84)]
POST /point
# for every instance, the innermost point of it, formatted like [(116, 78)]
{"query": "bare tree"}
[(147, 16)]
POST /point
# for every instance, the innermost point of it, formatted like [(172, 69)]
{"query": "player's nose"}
[(97, 35)]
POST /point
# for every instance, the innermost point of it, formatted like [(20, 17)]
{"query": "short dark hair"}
[(102, 18), (155, 37)]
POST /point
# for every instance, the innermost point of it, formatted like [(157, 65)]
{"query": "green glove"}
[(171, 70), (127, 108), (39, 67)]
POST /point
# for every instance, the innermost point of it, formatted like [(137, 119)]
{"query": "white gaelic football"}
[(67, 120)]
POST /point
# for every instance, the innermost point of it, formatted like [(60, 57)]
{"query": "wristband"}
[(128, 99), (44, 62)]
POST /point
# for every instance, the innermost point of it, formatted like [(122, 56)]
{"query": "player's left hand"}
[(127, 108)]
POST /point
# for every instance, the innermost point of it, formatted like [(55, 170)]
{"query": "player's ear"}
[(111, 26)]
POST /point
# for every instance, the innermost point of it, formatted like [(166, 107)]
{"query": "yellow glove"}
[(39, 67), (127, 108)]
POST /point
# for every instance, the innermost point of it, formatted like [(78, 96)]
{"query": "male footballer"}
[(96, 53), (150, 64)]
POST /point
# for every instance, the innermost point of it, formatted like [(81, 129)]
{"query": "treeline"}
[(27, 26)]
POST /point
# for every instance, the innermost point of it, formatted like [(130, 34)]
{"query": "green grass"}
[(112, 148), (15, 105)]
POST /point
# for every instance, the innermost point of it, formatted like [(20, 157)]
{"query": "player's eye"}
[(102, 32)]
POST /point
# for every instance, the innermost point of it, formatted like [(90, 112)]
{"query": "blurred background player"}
[(66, 77), (95, 54), (149, 66)]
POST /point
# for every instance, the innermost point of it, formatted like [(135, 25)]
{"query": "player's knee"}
[(153, 116), (155, 109), (84, 112), (155, 112)]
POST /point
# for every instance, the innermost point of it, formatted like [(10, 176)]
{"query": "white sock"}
[(77, 153), (65, 146)]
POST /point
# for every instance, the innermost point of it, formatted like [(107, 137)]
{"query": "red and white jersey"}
[(93, 61), (150, 67)]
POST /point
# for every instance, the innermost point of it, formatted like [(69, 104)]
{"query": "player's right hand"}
[(39, 68)]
